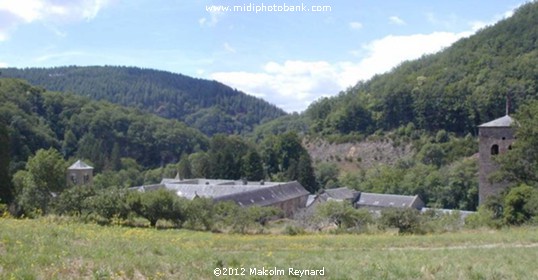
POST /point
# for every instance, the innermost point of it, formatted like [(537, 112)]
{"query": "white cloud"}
[(294, 84), (3, 64), (355, 25), (214, 17), (19, 12), (396, 20), (291, 85), (229, 48)]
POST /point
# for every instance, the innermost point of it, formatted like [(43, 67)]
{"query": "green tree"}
[(327, 174), (6, 188), (156, 205), (109, 203), (519, 205), (184, 167), (43, 176), (343, 215), (305, 173), (200, 214), (73, 201), (520, 164), (199, 165), (406, 220), (252, 168)]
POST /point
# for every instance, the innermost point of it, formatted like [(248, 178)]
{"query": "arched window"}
[(495, 149)]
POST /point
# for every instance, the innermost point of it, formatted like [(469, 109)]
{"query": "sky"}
[(288, 52)]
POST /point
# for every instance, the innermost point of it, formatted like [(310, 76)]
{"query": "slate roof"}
[(242, 192), (389, 200), (341, 194), (505, 121), (268, 195), (79, 165)]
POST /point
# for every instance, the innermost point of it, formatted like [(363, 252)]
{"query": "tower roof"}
[(505, 121), (79, 165)]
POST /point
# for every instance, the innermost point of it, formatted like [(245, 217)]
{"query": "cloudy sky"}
[(290, 52)]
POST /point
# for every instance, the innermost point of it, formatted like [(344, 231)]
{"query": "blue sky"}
[(287, 58)]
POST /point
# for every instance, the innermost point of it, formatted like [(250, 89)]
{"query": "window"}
[(495, 150)]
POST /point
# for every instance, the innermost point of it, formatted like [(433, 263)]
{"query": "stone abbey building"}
[(495, 137)]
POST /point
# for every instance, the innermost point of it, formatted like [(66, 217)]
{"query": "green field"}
[(51, 248)]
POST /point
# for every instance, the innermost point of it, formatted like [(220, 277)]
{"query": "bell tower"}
[(495, 137), (79, 174)]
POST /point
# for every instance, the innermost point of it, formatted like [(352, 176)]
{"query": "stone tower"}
[(79, 174), (495, 137)]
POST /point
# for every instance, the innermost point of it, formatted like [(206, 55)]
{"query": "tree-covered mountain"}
[(209, 106), (77, 126), (457, 89)]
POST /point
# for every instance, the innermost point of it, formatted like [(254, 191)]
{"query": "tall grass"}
[(60, 249)]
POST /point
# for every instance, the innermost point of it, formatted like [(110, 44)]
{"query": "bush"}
[(156, 205), (520, 205), (199, 214), (109, 203), (343, 215), (294, 230), (406, 220), (253, 218)]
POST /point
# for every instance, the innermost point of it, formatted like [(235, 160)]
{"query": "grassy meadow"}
[(50, 248)]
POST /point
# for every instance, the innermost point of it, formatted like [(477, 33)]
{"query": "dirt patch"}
[(465, 247), (360, 155)]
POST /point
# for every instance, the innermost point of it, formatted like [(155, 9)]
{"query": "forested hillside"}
[(95, 130), (455, 90), (209, 106)]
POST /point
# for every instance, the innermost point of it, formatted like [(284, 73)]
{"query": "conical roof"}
[(505, 121), (79, 165)]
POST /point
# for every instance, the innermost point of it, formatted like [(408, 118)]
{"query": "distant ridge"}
[(209, 106)]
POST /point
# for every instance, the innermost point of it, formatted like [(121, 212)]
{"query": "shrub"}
[(406, 220), (156, 205), (343, 215)]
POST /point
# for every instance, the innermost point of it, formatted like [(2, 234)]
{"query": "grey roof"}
[(79, 165), (505, 121), (242, 192), (268, 195), (388, 200), (342, 193)]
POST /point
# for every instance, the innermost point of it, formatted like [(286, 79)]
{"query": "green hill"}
[(457, 89), (210, 106), (96, 130)]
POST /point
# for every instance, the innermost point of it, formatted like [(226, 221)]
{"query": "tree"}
[(184, 167), (343, 215), (407, 220), (110, 203), (305, 173), (520, 164), (73, 201), (6, 189), (43, 176), (327, 174), (519, 205), (252, 168), (156, 205), (199, 165)]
